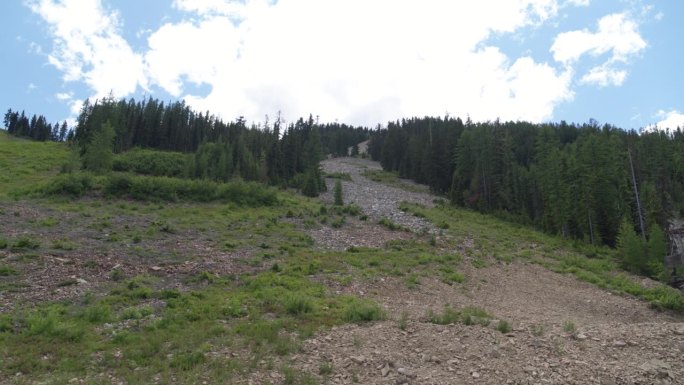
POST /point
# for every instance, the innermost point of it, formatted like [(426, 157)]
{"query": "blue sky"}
[(354, 61)]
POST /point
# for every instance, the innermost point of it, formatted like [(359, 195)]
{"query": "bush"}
[(73, 184), (25, 243), (150, 162), (175, 189)]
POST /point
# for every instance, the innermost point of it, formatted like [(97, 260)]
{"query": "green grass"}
[(263, 314), (468, 316), (6, 271), (503, 326), (23, 163)]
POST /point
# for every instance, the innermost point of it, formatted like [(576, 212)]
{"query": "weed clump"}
[(503, 326), (359, 311), (468, 316), (297, 304)]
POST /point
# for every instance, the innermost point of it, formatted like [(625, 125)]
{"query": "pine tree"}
[(657, 250), (338, 193), (98, 156), (631, 249)]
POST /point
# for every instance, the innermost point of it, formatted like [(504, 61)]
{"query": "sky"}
[(360, 62)]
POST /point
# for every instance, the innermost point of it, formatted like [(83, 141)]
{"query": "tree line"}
[(271, 152), (36, 127), (579, 181)]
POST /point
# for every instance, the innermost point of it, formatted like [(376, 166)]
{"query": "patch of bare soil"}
[(89, 261), (563, 331)]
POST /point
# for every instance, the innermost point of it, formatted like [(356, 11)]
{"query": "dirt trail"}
[(563, 331)]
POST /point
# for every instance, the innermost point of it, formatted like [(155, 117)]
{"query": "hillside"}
[(25, 162), (393, 287)]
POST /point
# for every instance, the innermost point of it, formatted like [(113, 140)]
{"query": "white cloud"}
[(617, 36), (668, 120), (579, 3), (616, 33), (87, 46), (64, 96), (604, 75), (193, 52), (356, 61)]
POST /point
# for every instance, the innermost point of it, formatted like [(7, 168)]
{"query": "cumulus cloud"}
[(87, 46), (616, 33), (667, 120), (604, 75), (357, 61), (617, 37)]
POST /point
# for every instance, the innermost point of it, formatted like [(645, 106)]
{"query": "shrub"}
[(24, 243), (150, 162), (51, 323), (174, 189), (100, 313), (73, 184)]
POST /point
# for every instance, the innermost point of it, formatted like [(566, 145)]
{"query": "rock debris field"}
[(563, 331)]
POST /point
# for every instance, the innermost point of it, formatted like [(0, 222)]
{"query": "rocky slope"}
[(562, 331)]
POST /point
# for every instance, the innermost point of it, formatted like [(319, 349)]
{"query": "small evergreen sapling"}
[(338, 193)]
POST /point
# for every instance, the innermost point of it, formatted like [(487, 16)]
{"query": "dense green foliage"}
[(98, 156), (150, 188), (151, 162), (565, 179), (270, 153)]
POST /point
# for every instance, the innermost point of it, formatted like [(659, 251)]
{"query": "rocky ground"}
[(377, 201), (563, 331)]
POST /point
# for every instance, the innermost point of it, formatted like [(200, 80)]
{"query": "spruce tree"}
[(657, 250), (338, 193), (631, 248)]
